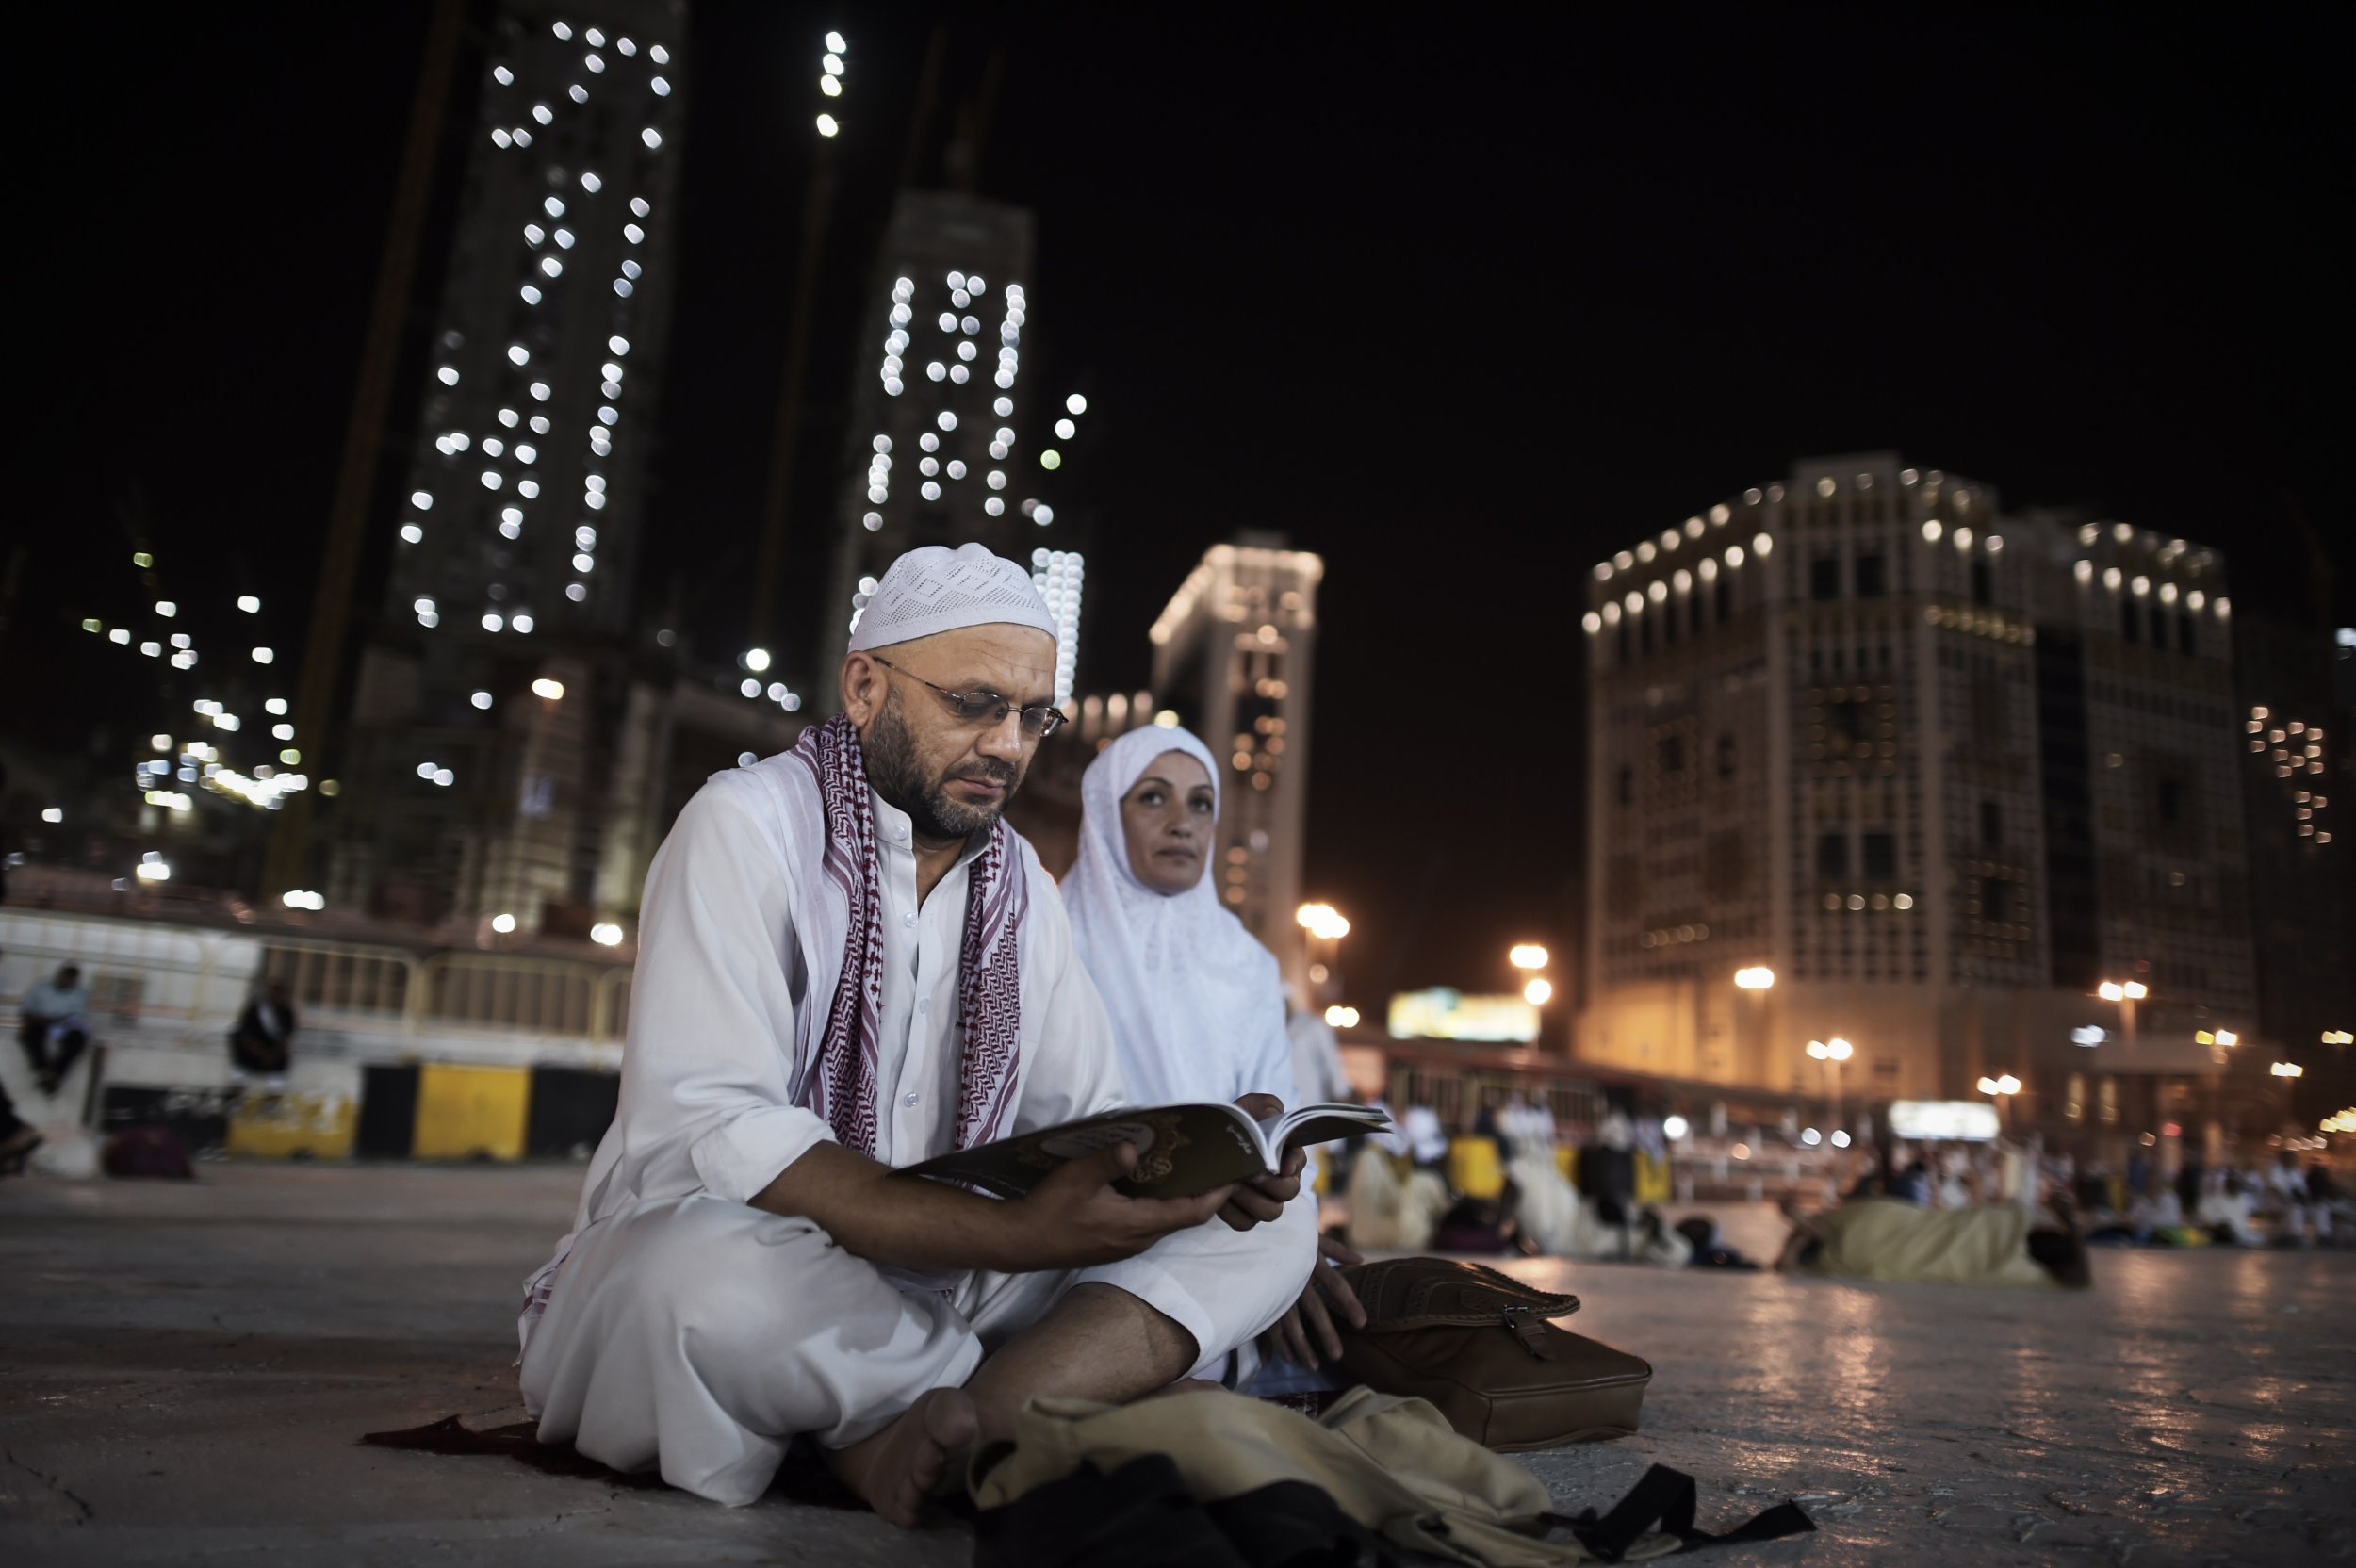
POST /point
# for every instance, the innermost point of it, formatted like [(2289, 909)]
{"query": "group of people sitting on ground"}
[(1523, 1189), (53, 1030), (2282, 1204)]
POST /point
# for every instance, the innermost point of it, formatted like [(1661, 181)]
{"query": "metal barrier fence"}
[(153, 971)]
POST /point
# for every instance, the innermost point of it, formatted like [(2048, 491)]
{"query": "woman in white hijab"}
[(1196, 1003)]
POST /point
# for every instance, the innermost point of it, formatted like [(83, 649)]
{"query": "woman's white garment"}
[(688, 1328), (1197, 1005)]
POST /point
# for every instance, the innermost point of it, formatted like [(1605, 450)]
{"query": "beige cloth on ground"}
[(1394, 1466), (1884, 1238)]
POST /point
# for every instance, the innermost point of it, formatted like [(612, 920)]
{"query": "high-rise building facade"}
[(1938, 771), (475, 782), (526, 487), (1234, 653), (938, 451)]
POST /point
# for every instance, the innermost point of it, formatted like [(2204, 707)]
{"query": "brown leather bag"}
[(1479, 1345)]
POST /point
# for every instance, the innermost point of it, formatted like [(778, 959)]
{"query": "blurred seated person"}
[(1427, 1140), (2227, 1211), (1552, 1218), (1196, 1003), (2299, 1220), (262, 1042), (1657, 1242), (2157, 1219), (1394, 1204), (52, 1026)]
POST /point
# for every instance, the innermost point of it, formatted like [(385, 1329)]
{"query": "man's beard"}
[(899, 777)]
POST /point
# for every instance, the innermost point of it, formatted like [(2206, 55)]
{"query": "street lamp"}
[(2126, 993), (1832, 1053), (1758, 977), (1325, 924), (2287, 1069), (2002, 1091), (1526, 956), (1538, 992)]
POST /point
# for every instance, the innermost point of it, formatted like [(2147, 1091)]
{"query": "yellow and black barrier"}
[(456, 1111)]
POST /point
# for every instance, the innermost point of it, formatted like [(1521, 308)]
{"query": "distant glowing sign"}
[(1969, 1120), (1443, 1013)]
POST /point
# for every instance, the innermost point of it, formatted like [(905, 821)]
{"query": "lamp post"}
[(2126, 993), (1750, 1031), (2002, 1091), (1327, 925), (1529, 958), (1832, 1053)]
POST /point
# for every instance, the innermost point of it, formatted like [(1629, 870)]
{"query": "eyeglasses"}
[(1037, 722)]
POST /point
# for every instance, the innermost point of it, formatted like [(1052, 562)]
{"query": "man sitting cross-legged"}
[(848, 962)]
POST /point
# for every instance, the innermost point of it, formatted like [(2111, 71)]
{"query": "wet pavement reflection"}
[(2195, 1407)]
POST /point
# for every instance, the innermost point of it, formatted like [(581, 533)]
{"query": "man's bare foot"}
[(897, 1468)]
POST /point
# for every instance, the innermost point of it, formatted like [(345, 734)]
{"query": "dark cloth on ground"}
[(1476, 1225), (1141, 1515), (803, 1478), (146, 1151)]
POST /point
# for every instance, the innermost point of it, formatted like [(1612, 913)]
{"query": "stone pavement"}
[(184, 1369)]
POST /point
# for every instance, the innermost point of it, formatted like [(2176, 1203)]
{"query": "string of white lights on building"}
[(1058, 575), (532, 390)]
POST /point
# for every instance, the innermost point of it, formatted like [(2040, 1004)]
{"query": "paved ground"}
[(183, 1369)]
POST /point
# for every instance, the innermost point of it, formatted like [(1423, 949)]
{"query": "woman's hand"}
[(1307, 1326)]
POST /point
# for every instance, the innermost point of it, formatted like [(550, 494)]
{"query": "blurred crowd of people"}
[(1514, 1183), (2286, 1202)]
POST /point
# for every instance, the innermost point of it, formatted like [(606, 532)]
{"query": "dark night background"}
[(1463, 300)]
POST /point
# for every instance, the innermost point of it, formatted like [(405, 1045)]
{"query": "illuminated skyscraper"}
[(522, 507), (1233, 656), (938, 454), (479, 777)]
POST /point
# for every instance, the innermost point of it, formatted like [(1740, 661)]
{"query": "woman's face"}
[(1167, 818)]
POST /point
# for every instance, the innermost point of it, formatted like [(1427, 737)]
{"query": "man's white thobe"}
[(689, 1329)]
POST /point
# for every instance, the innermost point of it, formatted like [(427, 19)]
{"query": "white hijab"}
[(1197, 1005)]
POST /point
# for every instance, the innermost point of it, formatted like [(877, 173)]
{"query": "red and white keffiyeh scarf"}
[(841, 1086)]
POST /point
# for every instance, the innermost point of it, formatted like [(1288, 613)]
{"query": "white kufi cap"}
[(935, 589)]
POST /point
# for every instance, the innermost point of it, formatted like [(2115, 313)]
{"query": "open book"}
[(1182, 1151)]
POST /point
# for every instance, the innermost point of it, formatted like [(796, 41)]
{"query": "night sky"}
[(1463, 300)]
